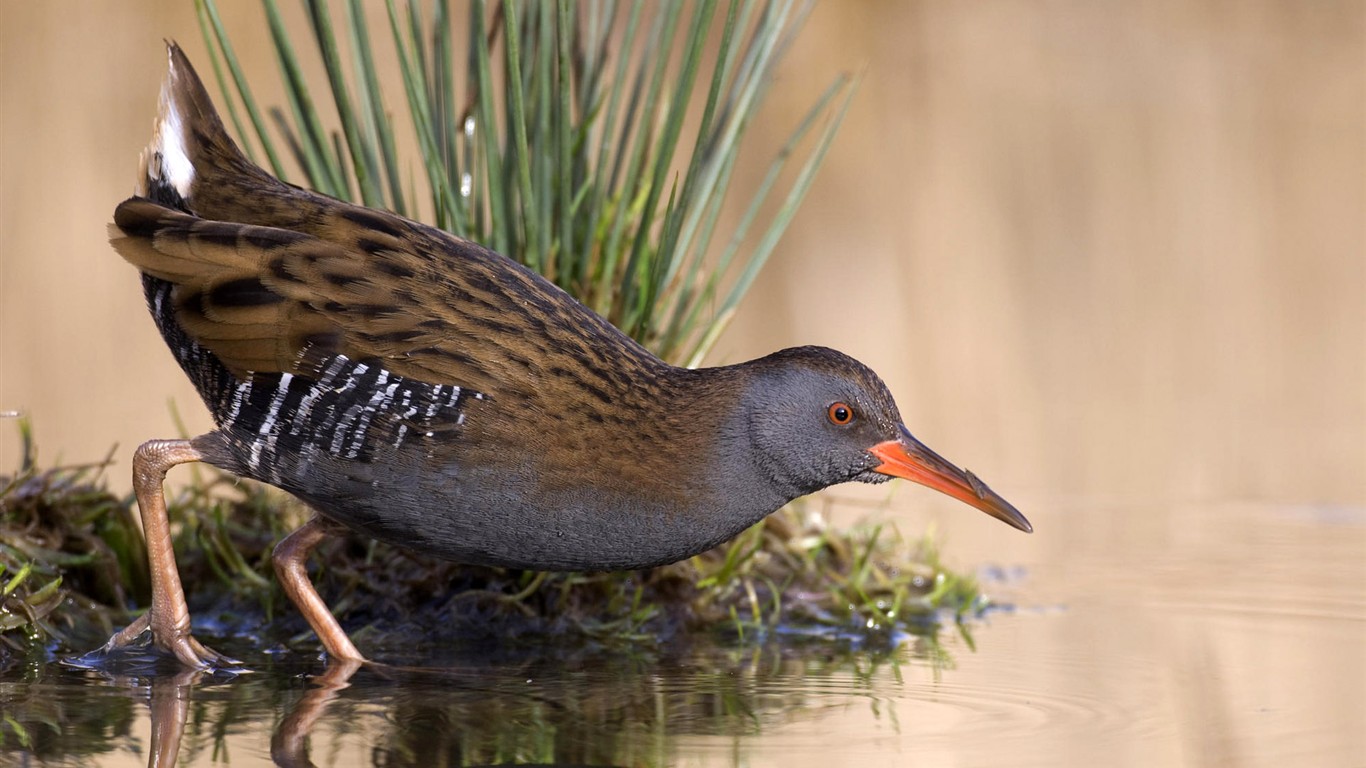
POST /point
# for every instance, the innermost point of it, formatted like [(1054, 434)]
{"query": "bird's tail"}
[(191, 166), (191, 151)]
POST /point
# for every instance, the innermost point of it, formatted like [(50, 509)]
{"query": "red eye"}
[(840, 413)]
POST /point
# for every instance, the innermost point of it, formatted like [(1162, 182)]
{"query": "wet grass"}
[(73, 569)]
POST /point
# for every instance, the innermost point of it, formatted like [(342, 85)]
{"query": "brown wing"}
[(265, 272), (259, 296)]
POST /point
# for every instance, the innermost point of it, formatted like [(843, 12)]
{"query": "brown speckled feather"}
[(422, 302), (271, 278), (425, 391), (423, 305), (408, 382)]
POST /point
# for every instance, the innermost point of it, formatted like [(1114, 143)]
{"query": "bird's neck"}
[(720, 404)]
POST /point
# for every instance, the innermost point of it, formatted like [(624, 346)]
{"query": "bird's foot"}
[(168, 636)]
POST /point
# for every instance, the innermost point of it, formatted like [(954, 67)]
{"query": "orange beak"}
[(913, 460)]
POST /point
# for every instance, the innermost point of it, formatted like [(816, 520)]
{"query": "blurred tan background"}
[(1097, 250)]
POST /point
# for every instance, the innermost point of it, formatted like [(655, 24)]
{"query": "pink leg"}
[(289, 558), (169, 616)]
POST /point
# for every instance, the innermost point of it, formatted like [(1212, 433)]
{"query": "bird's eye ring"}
[(839, 413)]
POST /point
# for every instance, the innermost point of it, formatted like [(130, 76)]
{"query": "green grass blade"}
[(210, 9), (377, 121), (604, 189), (443, 91), (698, 284), (678, 242), (568, 255), (444, 202), (211, 46), (313, 145), (531, 254), (789, 207), (651, 79), (713, 278), (339, 150), (362, 156), (501, 232), (679, 102), (539, 68), (287, 132)]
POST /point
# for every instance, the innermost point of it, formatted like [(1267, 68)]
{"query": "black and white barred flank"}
[(348, 409), (345, 408), (210, 377)]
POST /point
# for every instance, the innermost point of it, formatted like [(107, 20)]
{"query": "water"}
[(1196, 634)]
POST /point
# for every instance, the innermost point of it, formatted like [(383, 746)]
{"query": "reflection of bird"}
[(425, 391)]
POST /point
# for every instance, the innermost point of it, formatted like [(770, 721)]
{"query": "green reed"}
[(592, 141)]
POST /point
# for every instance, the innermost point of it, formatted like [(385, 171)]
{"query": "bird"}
[(418, 388)]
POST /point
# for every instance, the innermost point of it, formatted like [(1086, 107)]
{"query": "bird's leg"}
[(169, 616), (289, 557)]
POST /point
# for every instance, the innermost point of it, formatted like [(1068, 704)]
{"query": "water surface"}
[(1199, 634)]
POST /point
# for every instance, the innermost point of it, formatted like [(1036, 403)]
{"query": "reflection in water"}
[(542, 707), (170, 709), (289, 746)]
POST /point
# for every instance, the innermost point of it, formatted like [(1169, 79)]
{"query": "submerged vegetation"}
[(594, 142)]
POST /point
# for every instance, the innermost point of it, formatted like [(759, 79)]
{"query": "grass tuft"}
[(592, 141)]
